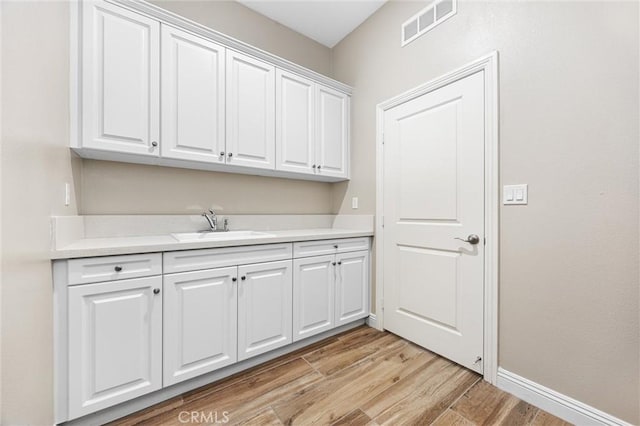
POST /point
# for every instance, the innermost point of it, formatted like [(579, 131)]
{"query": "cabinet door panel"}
[(295, 123), (352, 286), (120, 80), (250, 112), (193, 96), (332, 144), (264, 307), (200, 322), (115, 343), (313, 295)]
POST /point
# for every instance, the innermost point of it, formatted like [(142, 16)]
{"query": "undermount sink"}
[(218, 236)]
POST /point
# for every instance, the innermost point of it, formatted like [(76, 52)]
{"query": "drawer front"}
[(194, 260), (322, 247), (110, 268)]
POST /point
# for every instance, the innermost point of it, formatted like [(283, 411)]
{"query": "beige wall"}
[(569, 128), (35, 164), (242, 23), (120, 188)]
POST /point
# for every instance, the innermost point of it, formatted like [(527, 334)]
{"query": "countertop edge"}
[(304, 235)]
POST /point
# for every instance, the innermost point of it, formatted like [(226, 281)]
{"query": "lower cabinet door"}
[(313, 295), (115, 343), (200, 321), (352, 286), (264, 307)]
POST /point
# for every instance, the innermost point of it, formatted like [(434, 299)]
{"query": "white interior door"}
[(433, 195), (193, 100)]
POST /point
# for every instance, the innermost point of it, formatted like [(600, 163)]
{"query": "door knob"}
[(471, 239)]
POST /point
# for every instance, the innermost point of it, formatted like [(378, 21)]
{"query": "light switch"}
[(354, 202), (515, 194)]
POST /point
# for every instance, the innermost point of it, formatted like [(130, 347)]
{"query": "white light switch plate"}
[(354, 202), (515, 194)]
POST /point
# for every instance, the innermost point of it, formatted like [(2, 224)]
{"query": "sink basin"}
[(218, 236)]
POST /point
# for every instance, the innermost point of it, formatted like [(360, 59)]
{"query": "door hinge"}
[(383, 221), (485, 241), (383, 139)]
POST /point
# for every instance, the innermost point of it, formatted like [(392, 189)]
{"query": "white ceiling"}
[(325, 21)]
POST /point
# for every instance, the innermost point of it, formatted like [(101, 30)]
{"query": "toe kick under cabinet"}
[(129, 325)]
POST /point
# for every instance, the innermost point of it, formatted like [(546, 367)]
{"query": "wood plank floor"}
[(361, 377)]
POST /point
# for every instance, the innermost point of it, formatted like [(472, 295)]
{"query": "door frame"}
[(489, 65)]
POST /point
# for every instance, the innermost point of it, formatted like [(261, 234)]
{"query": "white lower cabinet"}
[(264, 307), (115, 342), (352, 286), (329, 291), (313, 295), (200, 321), (129, 325)]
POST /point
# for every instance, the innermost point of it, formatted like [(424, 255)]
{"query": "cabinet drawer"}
[(109, 268), (194, 260), (322, 247)]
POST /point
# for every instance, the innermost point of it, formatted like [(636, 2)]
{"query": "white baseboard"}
[(554, 402), (372, 321)]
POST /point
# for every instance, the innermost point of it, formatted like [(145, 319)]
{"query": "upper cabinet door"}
[(250, 112), (332, 144), (192, 97), (295, 123), (120, 86)]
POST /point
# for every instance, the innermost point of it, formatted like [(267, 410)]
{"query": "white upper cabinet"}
[(250, 112), (193, 97), (332, 145), (153, 88), (295, 123), (120, 80)]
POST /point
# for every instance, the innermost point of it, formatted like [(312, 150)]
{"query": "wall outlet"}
[(354, 202), (67, 194), (515, 194)]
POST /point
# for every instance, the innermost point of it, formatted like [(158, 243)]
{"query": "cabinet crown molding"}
[(168, 17)]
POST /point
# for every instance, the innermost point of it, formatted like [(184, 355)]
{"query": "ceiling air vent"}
[(427, 19)]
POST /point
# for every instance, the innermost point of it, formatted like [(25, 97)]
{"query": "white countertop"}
[(89, 247)]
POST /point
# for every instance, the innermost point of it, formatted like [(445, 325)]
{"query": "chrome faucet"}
[(212, 219)]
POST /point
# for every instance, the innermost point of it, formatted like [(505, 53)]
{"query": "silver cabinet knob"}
[(221, 153), (471, 239), (118, 268), (154, 143), (156, 291), (230, 154)]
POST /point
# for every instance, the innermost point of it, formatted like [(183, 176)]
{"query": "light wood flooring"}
[(361, 377)]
